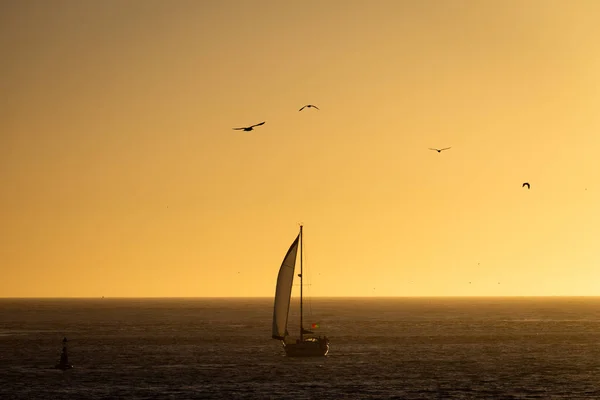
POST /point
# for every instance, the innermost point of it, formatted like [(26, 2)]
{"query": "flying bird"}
[(248, 128), (309, 106), (440, 150), (526, 184)]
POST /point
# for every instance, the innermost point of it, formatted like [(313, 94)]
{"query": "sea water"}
[(381, 348)]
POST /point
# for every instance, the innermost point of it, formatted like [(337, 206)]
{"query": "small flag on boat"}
[(314, 326)]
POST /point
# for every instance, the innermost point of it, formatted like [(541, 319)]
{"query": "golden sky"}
[(121, 175)]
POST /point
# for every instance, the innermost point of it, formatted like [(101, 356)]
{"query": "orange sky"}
[(121, 176)]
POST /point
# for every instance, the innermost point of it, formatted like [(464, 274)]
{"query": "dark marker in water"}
[(64, 358)]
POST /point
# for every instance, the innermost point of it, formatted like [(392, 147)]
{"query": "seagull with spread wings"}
[(526, 184), (248, 128), (308, 106), (440, 150)]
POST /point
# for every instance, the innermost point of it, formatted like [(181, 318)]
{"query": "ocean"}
[(380, 348)]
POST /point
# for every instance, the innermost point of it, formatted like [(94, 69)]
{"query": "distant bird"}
[(440, 150), (309, 106), (526, 184), (248, 128)]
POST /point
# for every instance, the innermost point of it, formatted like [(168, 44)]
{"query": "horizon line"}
[(270, 297)]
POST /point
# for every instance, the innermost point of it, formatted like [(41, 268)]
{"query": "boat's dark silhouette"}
[(303, 345)]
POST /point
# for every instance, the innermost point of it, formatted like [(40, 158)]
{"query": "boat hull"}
[(308, 348)]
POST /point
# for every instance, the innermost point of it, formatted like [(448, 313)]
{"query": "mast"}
[(301, 273)]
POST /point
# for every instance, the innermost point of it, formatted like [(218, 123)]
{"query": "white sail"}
[(283, 292)]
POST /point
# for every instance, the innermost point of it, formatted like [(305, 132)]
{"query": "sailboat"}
[(64, 358), (306, 345)]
